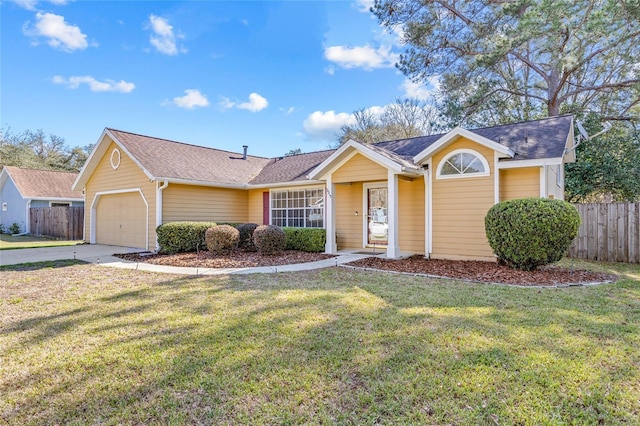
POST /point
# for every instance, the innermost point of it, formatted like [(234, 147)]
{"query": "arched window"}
[(463, 163)]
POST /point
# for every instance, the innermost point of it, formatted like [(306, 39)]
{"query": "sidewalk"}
[(103, 255)]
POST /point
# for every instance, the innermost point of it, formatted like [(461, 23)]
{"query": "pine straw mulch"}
[(237, 259), (485, 271)]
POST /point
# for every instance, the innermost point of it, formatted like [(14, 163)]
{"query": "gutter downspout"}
[(27, 224), (159, 189)]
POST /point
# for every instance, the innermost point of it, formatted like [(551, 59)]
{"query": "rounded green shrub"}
[(246, 236), (222, 239), (269, 239), (177, 237), (530, 232)]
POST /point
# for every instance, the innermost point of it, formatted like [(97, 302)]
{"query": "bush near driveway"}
[(177, 237), (531, 232)]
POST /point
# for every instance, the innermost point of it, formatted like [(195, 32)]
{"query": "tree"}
[(293, 152), (576, 55), (36, 150), (405, 118), (607, 167)]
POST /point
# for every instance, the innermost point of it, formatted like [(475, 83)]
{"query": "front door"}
[(377, 224)]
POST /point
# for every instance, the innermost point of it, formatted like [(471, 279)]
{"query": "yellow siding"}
[(459, 208), (411, 219), (348, 200), (519, 183), (127, 176), (358, 169), (201, 203), (255, 205)]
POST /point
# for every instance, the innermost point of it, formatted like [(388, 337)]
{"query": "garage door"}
[(121, 220)]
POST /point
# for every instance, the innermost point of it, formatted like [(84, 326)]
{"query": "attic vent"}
[(245, 147)]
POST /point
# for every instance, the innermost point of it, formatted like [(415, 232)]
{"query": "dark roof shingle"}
[(290, 169)]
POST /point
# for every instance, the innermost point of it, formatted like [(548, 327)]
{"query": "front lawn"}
[(87, 344), (10, 242)]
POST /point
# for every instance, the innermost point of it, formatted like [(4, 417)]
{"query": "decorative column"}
[(393, 249), (330, 215)]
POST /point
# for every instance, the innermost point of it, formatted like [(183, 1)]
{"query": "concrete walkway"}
[(103, 255)]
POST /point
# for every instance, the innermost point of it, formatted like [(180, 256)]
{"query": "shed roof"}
[(44, 184)]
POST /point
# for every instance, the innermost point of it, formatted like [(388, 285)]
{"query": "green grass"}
[(86, 344), (9, 242)]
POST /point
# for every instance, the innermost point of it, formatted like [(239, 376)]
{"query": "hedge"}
[(176, 237), (531, 232), (306, 239)]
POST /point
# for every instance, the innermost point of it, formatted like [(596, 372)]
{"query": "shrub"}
[(306, 239), (221, 239), (531, 232), (14, 228), (176, 237), (269, 239), (246, 236)]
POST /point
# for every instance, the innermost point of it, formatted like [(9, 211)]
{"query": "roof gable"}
[(377, 154), (42, 184), (162, 159), (453, 135)]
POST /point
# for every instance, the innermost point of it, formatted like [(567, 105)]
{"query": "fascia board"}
[(514, 164)]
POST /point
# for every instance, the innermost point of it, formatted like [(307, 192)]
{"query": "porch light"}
[(356, 212)]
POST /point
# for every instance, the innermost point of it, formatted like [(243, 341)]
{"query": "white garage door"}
[(121, 220)]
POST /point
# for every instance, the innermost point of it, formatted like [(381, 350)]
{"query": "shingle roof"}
[(163, 158), (290, 169), (545, 138), (43, 183)]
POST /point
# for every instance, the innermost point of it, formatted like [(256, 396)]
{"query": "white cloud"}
[(324, 126), (365, 5), (31, 4), (331, 70), (287, 111), (60, 34), (418, 90), (365, 57), (192, 99), (256, 103), (94, 85), (163, 37)]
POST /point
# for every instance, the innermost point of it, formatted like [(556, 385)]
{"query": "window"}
[(463, 163), (299, 208)]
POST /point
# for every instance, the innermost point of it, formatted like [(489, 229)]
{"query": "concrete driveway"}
[(94, 253)]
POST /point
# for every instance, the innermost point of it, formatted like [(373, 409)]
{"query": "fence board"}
[(608, 232), (58, 222)]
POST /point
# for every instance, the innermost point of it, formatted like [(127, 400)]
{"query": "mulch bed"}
[(485, 271), (238, 259)]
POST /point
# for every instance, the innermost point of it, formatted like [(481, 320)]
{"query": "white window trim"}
[(115, 163), (479, 156), (303, 188)]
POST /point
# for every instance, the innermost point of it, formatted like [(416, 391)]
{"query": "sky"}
[(273, 75)]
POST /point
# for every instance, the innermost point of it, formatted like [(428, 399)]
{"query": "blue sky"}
[(272, 75)]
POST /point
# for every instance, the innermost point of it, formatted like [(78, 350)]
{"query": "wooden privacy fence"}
[(59, 222), (609, 232)]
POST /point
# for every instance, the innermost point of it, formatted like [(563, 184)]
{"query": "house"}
[(21, 189), (425, 195)]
